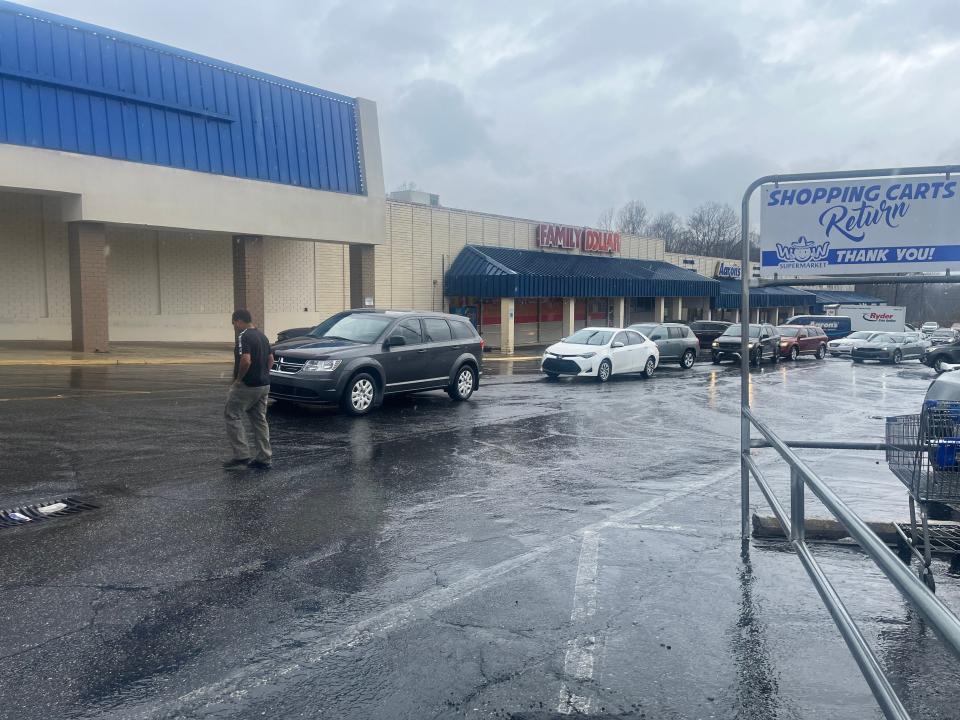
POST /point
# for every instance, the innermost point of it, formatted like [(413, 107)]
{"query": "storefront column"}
[(676, 310), (248, 276), (658, 309), (89, 309), (755, 315), (507, 336), (619, 312), (776, 316), (569, 317)]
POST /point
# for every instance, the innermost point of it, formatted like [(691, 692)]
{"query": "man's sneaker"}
[(235, 463), (259, 465)]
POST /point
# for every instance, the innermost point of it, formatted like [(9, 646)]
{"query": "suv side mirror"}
[(764, 336), (396, 341)]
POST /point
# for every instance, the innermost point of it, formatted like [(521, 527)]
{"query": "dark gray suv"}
[(676, 342), (359, 356)]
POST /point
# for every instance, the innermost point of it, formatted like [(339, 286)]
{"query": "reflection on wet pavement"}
[(428, 560)]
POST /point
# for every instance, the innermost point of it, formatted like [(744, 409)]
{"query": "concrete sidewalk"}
[(16, 353)]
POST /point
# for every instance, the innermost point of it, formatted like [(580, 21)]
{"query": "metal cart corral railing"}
[(944, 622), (923, 451)]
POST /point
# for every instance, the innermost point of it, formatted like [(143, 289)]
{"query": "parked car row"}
[(358, 357)]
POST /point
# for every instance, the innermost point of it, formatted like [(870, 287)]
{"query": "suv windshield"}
[(788, 331), (944, 333), (358, 327), (734, 331), (643, 329), (589, 337)]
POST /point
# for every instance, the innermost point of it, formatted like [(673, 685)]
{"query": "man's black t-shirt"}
[(254, 342)]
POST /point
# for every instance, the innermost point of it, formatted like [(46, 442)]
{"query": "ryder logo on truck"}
[(879, 317)]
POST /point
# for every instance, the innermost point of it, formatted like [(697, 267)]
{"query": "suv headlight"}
[(716, 343), (321, 365)]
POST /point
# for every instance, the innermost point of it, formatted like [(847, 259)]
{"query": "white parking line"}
[(579, 660), (242, 681)]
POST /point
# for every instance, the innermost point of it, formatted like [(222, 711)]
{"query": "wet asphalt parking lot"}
[(544, 550)]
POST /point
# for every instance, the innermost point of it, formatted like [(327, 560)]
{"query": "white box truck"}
[(889, 318)]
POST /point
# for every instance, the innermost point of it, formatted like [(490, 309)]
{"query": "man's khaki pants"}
[(251, 401)]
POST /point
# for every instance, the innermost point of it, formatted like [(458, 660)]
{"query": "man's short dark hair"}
[(242, 316)]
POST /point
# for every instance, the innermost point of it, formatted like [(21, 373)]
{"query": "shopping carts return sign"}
[(858, 227)]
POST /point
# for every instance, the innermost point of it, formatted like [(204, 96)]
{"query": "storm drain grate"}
[(944, 537), (41, 511)]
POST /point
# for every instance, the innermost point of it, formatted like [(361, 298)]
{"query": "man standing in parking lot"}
[(248, 395)]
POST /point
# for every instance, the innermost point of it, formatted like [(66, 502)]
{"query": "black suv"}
[(764, 343), (357, 357), (940, 355)]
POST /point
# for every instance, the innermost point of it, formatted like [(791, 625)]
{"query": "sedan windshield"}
[(734, 331), (881, 338), (859, 335), (358, 327), (944, 333), (590, 337)]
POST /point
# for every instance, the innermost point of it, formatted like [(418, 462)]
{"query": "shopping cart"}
[(924, 452)]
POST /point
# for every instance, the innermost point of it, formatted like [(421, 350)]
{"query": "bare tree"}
[(632, 218), (668, 227), (713, 229), (605, 221)]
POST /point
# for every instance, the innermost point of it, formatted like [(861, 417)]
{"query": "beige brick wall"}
[(22, 270), (423, 241), (133, 272)]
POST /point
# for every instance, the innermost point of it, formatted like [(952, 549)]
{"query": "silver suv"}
[(676, 342)]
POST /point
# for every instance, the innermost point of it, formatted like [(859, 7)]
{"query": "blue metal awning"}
[(836, 297), (490, 272), (762, 297)]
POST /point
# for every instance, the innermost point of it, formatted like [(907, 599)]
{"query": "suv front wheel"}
[(463, 384), (359, 395)]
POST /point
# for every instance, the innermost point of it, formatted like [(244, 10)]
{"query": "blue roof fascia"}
[(169, 49)]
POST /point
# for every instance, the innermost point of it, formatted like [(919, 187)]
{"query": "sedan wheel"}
[(938, 364), (605, 371), (897, 357), (688, 359), (359, 394), (650, 367)]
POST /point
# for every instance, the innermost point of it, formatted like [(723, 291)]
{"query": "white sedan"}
[(844, 346), (601, 352)]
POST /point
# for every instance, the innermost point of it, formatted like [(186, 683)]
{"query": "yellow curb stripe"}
[(511, 359), (84, 362)]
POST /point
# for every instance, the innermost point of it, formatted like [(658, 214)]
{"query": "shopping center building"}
[(145, 192)]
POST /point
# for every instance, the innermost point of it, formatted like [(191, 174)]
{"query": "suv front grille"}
[(288, 366)]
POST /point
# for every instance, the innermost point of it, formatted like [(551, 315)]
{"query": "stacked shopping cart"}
[(924, 452)]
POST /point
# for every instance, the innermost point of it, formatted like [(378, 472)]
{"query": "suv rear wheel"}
[(463, 384), (688, 359), (359, 394), (794, 352)]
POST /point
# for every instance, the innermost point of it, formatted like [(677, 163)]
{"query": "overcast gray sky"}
[(555, 110)]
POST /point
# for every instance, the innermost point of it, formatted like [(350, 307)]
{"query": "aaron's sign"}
[(890, 225)]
